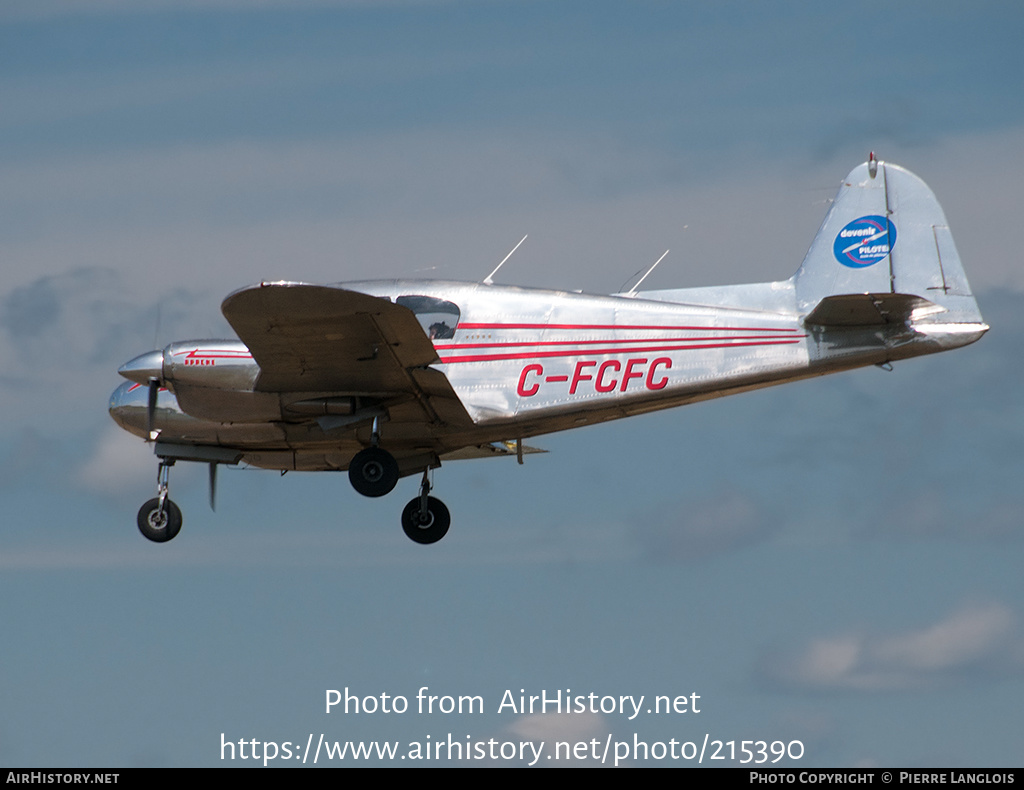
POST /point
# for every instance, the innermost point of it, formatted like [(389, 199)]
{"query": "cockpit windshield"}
[(437, 316)]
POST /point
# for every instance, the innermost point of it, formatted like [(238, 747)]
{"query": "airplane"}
[(390, 378)]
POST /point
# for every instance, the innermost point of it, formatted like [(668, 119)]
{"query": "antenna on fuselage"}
[(632, 291), (489, 279)]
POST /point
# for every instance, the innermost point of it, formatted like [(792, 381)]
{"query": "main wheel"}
[(427, 527), (373, 472), (159, 527)]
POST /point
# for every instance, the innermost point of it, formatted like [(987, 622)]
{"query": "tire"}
[(159, 530), (373, 472), (427, 527)]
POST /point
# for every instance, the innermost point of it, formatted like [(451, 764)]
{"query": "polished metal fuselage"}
[(522, 362)]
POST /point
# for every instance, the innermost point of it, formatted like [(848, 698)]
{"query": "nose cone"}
[(144, 367)]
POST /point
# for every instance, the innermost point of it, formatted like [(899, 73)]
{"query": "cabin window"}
[(437, 316)]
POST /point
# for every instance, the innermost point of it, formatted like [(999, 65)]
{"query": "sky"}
[(833, 562)]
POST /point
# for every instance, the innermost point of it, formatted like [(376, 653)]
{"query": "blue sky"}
[(835, 561)]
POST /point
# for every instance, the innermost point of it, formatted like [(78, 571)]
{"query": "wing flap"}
[(441, 398), (492, 450)]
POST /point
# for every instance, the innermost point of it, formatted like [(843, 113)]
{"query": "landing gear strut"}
[(160, 519), (425, 519), (373, 471)]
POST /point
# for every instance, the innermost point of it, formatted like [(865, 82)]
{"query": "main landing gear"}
[(374, 472), (425, 519), (160, 519)]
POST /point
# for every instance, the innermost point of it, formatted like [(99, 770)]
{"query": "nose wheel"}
[(159, 523), (160, 519), (426, 519)]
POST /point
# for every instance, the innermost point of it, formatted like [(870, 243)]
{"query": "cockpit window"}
[(437, 317)]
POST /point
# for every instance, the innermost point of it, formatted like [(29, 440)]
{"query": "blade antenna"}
[(632, 291), (489, 279)]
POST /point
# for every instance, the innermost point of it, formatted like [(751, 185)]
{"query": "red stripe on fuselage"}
[(523, 343), (652, 327), (632, 350)]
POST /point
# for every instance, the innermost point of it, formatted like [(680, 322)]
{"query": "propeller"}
[(213, 486), (154, 390)]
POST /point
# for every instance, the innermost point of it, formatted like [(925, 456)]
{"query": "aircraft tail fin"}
[(884, 241)]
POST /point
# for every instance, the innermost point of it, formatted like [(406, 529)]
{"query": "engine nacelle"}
[(217, 364), (214, 380)]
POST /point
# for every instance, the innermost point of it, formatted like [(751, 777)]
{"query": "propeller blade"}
[(213, 486), (154, 390)]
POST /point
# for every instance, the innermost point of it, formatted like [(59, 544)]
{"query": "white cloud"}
[(120, 462), (978, 638), (553, 727), (568, 729), (62, 337)]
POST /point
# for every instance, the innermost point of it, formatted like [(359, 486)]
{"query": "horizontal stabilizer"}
[(869, 309)]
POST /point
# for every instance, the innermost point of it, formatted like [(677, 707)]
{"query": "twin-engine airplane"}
[(388, 379)]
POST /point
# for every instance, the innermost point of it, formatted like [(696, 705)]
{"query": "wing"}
[(313, 338)]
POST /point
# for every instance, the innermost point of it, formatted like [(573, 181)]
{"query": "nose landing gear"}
[(160, 519)]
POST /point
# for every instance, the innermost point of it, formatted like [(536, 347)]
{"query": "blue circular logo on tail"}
[(865, 241)]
